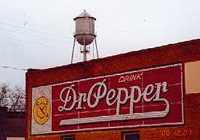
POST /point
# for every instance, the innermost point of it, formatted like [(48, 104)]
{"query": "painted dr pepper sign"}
[(145, 97)]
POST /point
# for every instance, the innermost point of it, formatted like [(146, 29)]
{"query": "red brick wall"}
[(170, 54)]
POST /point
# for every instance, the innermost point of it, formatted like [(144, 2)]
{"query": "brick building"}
[(12, 125), (152, 94)]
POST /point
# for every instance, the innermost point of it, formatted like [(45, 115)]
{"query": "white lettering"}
[(68, 97), (119, 96), (129, 78), (101, 92)]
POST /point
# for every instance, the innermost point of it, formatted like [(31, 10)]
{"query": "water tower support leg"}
[(96, 48), (84, 52), (72, 57)]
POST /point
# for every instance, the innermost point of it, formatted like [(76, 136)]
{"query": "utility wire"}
[(13, 68), (35, 39), (32, 30), (23, 42)]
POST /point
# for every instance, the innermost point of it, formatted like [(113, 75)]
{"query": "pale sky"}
[(39, 33)]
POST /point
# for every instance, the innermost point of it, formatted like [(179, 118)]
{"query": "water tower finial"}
[(84, 33)]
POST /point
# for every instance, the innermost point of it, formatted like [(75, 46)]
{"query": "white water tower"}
[(84, 34)]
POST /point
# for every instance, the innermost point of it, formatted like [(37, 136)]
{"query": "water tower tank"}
[(85, 28)]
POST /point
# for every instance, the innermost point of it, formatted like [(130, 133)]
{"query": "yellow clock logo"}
[(41, 110)]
